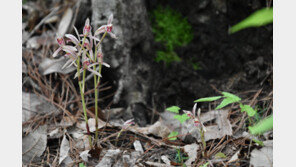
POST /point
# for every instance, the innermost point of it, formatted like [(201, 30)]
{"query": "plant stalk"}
[(81, 87), (202, 136), (84, 107), (96, 82)]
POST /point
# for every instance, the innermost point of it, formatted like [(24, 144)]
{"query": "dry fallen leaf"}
[(34, 144), (157, 129), (33, 105), (138, 146), (47, 38), (127, 159), (262, 157), (65, 22), (109, 158), (191, 150), (222, 127), (91, 124), (234, 157), (48, 66), (166, 160), (84, 155), (64, 152)]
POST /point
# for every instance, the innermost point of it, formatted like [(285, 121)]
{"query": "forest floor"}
[(54, 132)]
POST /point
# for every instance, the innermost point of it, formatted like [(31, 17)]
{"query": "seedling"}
[(124, 127), (204, 165), (81, 165), (86, 54), (179, 158), (229, 98), (173, 135), (195, 117)]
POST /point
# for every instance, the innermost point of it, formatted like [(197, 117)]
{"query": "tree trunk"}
[(129, 55)]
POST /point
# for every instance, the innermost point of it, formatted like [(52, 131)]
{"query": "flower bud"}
[(86, 28), (86, 64)]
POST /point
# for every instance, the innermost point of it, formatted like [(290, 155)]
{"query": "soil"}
[(230, 62)]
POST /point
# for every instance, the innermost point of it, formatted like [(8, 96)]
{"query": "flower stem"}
[(81, 87), (202, 136), (84, 107), (96, 82), (96, 106), (102, 39)]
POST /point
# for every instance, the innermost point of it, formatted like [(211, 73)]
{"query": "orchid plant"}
[(124, 127), (193, 116), (197, 123), (85, 53)]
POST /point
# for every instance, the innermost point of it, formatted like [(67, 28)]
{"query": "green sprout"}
[(261, 127), (173, 135), (81, 165)]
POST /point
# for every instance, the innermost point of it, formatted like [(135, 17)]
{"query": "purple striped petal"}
[(101, 30), (69, 49), (56, 52), (106, 65), (94, 72), (72, 38), (194, 109), (110, 19), (75, 29)]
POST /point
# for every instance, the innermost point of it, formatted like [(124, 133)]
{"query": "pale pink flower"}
[(71, 61), (106, 28), (73, 39), (88, 44), (87, 64), (64, 47), (87, 31), (86, 28), (196, 118), (100, 57), (128, 123)]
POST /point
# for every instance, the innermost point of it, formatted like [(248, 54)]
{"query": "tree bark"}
[(129, 55)]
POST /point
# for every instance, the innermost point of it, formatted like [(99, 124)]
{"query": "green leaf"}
[(220, 155), (182, 118), (208, 99), (204, 165), (224, 103), (174, 109), (259, 18), (258, 142), (231, 96), (263, 126), (81, 165), (247, 108), (172, 134)]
